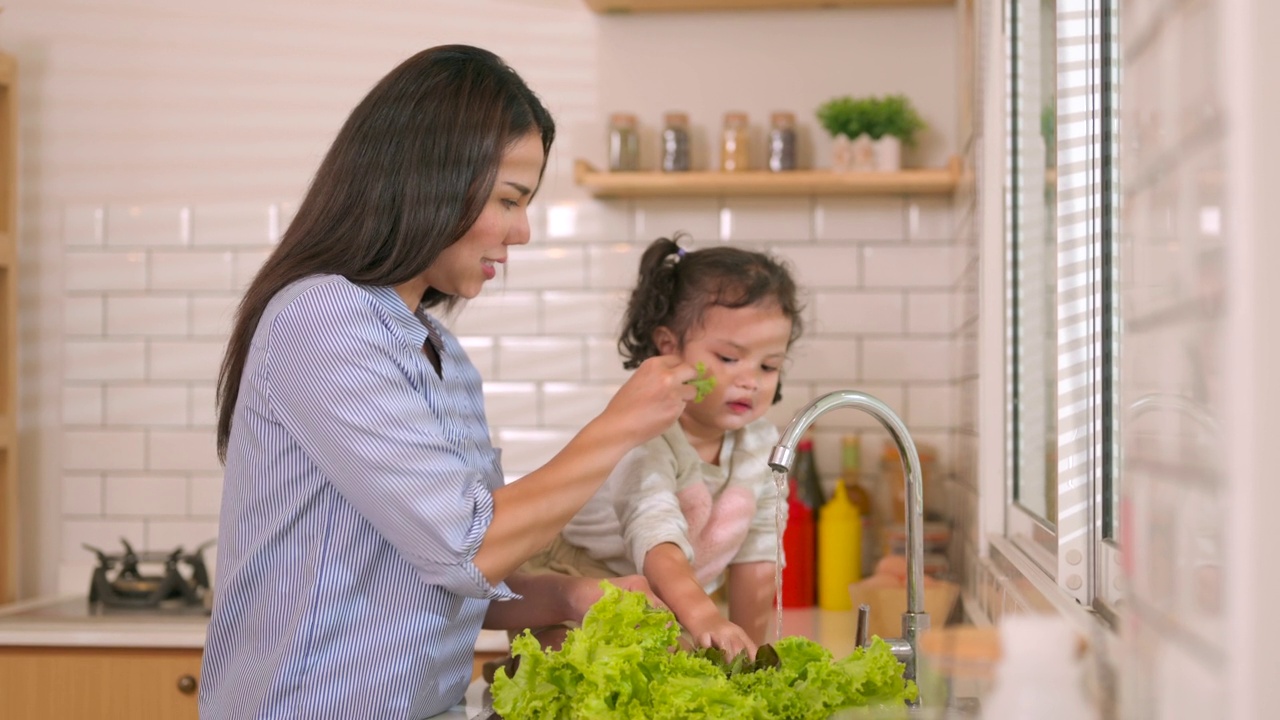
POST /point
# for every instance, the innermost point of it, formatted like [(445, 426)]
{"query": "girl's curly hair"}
[(675, 287)]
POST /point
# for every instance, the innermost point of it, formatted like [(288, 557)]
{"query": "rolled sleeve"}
[(355, 405), (648, 509), (466, 572)]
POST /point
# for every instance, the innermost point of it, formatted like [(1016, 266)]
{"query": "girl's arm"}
[(751, 593), (672, 578), (528, 513)]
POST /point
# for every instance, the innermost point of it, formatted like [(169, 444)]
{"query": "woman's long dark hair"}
[(406, 177), (675, 287)]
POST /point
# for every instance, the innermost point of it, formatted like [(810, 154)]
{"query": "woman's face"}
[(464, 267)]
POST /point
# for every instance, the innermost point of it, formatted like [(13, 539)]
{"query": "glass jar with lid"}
[(734, 155), (782, 141), (624, 143), (675, 142)]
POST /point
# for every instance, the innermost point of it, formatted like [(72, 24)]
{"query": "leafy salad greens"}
[(621, 665), (703, 383)]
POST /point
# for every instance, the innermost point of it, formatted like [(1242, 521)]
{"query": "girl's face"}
[(464, 267), (743, 349)]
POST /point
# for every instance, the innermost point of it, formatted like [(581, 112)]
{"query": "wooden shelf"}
[(660, 6), (929, 181)]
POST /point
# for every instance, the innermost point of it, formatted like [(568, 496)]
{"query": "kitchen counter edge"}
[(66, 621)]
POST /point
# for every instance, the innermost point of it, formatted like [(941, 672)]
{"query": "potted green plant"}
[(892, 122), (846, 119), (874, 128)]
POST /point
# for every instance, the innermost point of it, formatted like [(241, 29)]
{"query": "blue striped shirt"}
[(357, 490)]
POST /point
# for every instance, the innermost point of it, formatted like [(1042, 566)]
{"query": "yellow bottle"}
[(851, 476), (839, 550)]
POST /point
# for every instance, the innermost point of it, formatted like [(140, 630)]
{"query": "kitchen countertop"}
[(69, 622)]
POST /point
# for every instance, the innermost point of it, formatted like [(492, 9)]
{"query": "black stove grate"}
[(149, 580)]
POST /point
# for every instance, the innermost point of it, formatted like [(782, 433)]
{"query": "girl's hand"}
[(716, 631), (653, 397)]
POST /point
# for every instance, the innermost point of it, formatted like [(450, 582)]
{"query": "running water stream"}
[(779, 515)]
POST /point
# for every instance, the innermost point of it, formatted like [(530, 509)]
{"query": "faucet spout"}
[(915, 620)]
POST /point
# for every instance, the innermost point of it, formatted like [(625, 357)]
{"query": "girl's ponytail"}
[(651, 301)]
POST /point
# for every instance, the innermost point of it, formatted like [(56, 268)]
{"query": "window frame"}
[(1076, 552)]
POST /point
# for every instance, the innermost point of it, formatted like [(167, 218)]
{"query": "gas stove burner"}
[(170, 587)]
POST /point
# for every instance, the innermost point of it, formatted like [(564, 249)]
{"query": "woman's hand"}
[(653, 397), (528, 513), (586, 591)]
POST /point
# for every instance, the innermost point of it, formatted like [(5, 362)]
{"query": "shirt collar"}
[(417, 326)]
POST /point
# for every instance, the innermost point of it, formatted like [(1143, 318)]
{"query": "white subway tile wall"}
[(141, 245), (700, 218), (844, 219), (142, 356), (768, 219)]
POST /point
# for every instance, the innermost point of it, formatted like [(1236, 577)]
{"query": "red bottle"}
[(798, 544)]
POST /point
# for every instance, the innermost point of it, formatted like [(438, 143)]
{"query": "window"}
[(1061, 214)]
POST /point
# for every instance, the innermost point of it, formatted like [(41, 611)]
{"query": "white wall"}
[(1173, 290), (1252, 154), (1201, 111), (164, 144)]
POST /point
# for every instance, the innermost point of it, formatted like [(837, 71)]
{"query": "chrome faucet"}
[(915, 620)]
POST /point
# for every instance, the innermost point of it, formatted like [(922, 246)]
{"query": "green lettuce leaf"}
[(703, 383), (622, 664)]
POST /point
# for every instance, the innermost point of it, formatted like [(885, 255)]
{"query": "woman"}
[(365, 527)]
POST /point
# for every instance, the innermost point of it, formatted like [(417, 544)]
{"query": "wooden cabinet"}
[(8, 329), (55, 683), (480, 658)]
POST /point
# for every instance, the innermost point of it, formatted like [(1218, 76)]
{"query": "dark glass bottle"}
[(782, 142), (675, 142), (805, 475)]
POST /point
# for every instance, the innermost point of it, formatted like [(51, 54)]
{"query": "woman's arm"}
[(528, 513), (552, 598), (350, 406), (751, 593), (668, 571)]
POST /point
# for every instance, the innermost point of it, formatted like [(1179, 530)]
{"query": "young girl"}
[(697, 502)]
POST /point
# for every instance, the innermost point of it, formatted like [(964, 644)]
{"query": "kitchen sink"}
[(477, 708)]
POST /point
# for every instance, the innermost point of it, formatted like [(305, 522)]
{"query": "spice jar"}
[(782, 142), (733, 143), (675, 142), (624, 143)]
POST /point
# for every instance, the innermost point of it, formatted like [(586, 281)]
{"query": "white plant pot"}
[(841, 154), (864, 153), (888, 154)]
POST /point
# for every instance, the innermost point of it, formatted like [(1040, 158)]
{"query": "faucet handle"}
[(864, 620)]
